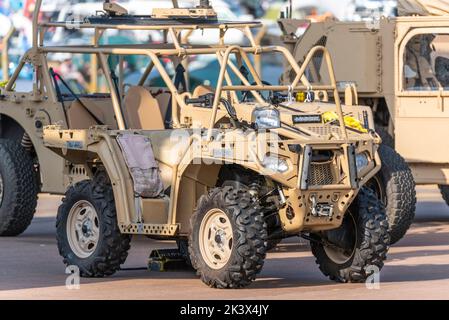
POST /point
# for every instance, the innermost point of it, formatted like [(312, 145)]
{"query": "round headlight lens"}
[(266, 118), (361, 161), (275, 164)]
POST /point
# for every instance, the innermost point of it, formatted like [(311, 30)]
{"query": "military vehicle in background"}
[(370, 61), (367, 10), (397, 66), (223, 171)]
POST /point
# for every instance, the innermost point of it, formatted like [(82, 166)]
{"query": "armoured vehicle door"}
[(422, 85)]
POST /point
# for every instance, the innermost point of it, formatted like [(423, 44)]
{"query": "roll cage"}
[(174, 47)]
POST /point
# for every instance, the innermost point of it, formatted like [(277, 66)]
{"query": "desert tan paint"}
[(89, 145), (371, 56), (423, 7)]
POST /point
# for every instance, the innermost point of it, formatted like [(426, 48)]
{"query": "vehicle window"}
[(426, 62)]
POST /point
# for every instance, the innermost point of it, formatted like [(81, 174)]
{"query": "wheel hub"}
[(87, 228), (83, 229), (215, 239), (220, 237)]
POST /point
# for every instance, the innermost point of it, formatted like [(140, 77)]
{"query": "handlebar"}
[(205, 101)]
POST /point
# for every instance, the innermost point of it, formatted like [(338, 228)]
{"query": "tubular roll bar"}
[(223, 54), (4, 54), (299, 77), (36, 13)]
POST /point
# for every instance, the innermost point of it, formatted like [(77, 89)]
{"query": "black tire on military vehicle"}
[(444, 189), (183, 247), (395, 187), (234, 176), (352, 252), (87, 232), (387, 138), (271, 244), (227, 243), (18, 188)]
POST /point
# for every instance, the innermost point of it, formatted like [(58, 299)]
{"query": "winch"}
[(321, 209)]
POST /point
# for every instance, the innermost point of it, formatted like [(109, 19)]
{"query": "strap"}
[(59, 94), (117, 92), (57, 77), (180, 80)]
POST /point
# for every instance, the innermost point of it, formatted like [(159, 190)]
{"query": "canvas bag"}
[(142, 165)]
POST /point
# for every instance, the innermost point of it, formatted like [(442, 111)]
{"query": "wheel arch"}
[(10, 128), (14, 130), (195, 181)]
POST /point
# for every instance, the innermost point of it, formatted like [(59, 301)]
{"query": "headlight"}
[(275, 164), (266, 118), (361, 161)]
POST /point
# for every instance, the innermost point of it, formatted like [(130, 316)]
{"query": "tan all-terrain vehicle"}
[(399, 67), (224, 171)]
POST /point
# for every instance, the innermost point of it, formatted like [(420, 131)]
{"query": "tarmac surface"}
[(417, 267)]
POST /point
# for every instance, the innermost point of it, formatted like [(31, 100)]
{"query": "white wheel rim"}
[(83, 229), (339, 255), (215, 239)]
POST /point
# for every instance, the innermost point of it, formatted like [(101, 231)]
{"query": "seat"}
[(164, 99), (201, 90), (79, 118), (142, 110)]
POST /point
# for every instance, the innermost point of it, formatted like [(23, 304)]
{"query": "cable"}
[(134, 269), (56, 77)]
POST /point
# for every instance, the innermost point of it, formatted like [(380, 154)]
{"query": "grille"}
[(321, 174), (78, 170), (324, 131)]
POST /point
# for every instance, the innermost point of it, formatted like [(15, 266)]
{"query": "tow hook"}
[(321, 209)]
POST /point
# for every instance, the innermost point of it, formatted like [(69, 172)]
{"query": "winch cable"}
[(57, 77)]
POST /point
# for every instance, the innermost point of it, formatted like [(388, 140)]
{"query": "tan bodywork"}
[(423, 7), (82, 146), (376, 58)]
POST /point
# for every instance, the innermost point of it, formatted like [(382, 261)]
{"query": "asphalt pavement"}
[(417, 267)]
